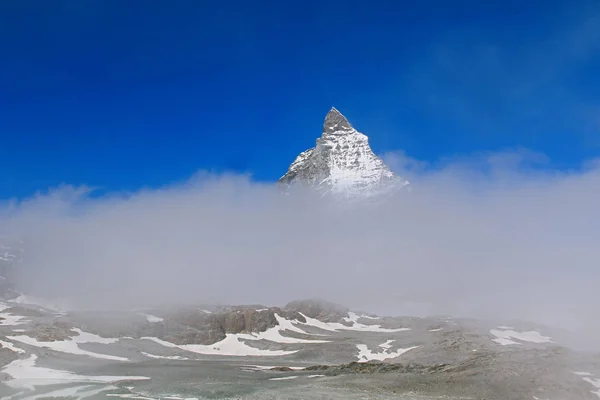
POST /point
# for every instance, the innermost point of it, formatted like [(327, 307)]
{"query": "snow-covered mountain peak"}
[(342, 163)]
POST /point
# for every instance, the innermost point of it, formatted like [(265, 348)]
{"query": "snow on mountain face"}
[(342, 163)]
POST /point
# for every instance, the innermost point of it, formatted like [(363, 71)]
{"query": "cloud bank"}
[(491, 236)]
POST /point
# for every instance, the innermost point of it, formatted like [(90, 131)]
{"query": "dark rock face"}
[(319, 309), (193, 327), (255, 319), (336, 122), (196, 327)]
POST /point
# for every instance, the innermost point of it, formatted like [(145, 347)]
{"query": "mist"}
[(489, 236)]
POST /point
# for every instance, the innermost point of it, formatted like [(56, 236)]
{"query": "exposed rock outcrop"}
[(320, 309)]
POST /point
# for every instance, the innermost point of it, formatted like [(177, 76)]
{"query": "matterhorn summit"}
[(342, 163)]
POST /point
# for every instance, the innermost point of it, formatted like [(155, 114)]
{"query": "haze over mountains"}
[(464, 242)]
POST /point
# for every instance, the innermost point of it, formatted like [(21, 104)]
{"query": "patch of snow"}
[(8, 319), (336, 326), (71, 345), (152, 318), (505, 327), (316, 376), (326, 326), (178, 398), (368, 317), (284, 378), (26, 375), (387, 345), (85, 337), (436, 330), (286, 324), (164, 357), (230, 346), (364, 354), (206, 311), (504, 342), (274, 334), (261, 309), (595, 383), (504, 337), (269, 367), (10, 346), (354, 317)]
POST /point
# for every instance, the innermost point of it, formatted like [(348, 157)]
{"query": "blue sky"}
[(126, 94)]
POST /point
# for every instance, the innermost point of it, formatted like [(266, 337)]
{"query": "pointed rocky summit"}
[(342, 163), (336, 122)]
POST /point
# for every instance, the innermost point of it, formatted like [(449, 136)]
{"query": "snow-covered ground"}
[(230, 346), (71, 346), (356, 326), (587, 377), (503, 337), (9, 319), (284, 378), (274, 334), (164, 357), (383, 353), (356, 337), (25, 374)]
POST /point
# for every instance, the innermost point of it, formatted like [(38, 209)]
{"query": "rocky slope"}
[(306, 349), (342, 163)]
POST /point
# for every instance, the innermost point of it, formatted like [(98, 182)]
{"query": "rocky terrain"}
[(306, 349)]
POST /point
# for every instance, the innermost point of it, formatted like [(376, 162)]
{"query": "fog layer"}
[(490, 237)]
